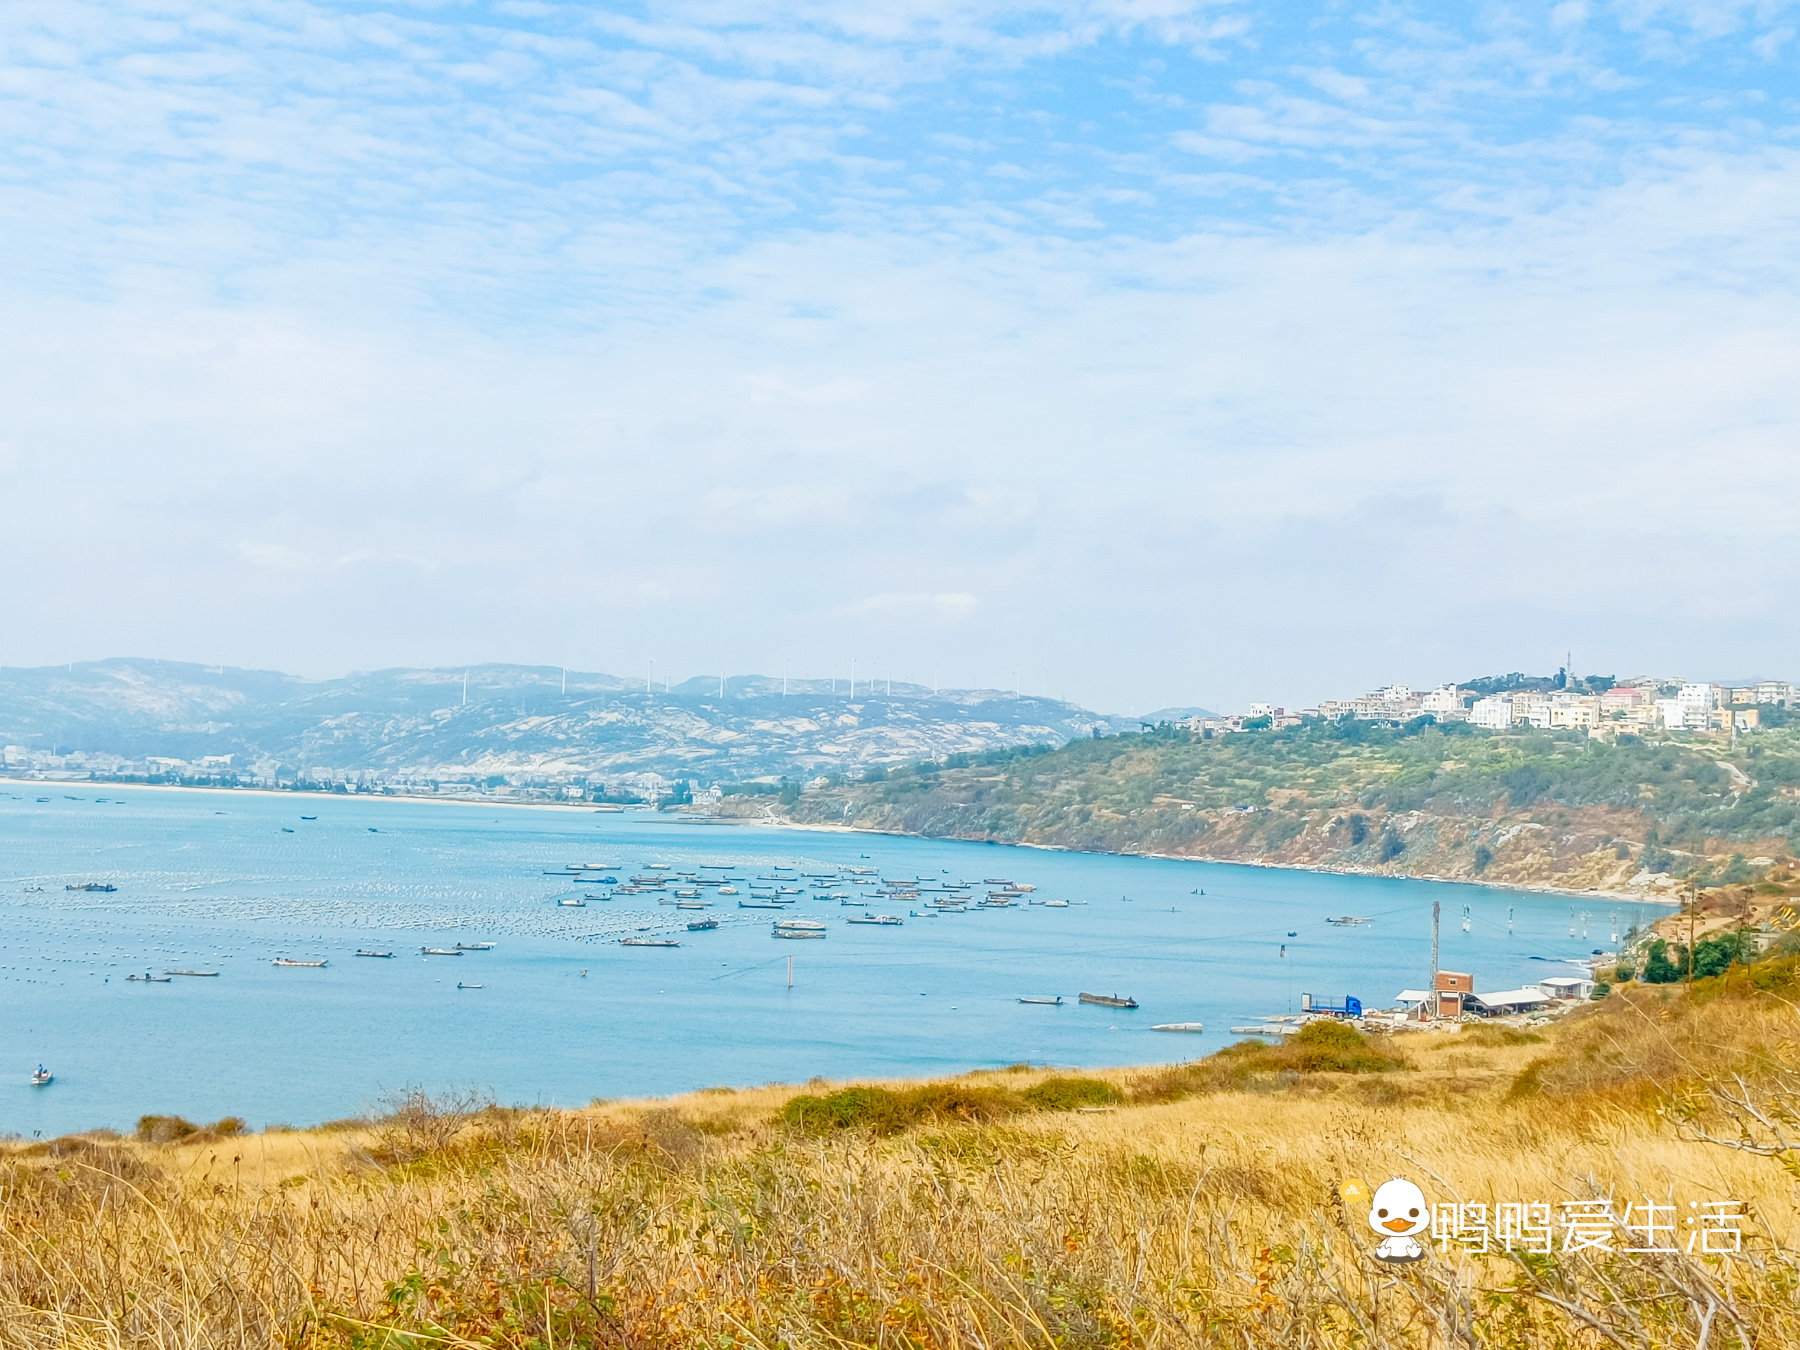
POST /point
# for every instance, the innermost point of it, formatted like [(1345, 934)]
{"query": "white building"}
[(1673, 713), (1697, 702), (1494, 713), (1444, 703)]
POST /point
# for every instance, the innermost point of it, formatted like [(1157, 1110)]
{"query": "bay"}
[(229, 881)]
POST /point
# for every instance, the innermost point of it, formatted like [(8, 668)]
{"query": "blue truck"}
[(1350, 1007)]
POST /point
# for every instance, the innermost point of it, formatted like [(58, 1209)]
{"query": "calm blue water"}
[(565, 1014)]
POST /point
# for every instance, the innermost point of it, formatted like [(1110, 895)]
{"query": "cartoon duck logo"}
[(1397, 1211)]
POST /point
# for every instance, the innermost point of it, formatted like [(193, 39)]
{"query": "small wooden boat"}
[(439, 951), (200, 974), (648, 942), (305, 965), (43, 1077), (388, 955), (1178, 1026), (156, 979), (1050, 1000), (702, 925), (1108, 1001)]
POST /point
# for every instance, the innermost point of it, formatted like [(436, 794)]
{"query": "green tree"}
[(1392, 846), (790, 792), (1359, 829), (1658, 968), (1483, 856)]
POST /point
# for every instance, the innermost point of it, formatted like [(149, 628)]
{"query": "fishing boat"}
[(199, 974), (759, 904), (1178, 1026), (686, 893), (1051, 1000), (386, 955), (693, 904), (43, 1077), (102, 886), (728, 890), (474, 946), (889, 919), (797, 933), (156, 979), (573, 902), (648, 942), (860, 871), (438, 951), (1109, 1001), (461, 985), (818, 924), (996, 881), (308, 965), (1056, 904), (702, 925), (1349, 921)]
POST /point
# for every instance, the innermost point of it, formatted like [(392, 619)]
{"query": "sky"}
[(1138, 352)]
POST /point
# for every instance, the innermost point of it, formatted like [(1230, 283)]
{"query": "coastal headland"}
[(1599, 1180)]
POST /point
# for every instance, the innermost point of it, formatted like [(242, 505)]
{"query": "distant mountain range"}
[(520, 723)]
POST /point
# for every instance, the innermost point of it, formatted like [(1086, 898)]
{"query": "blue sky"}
[(1160, 352)]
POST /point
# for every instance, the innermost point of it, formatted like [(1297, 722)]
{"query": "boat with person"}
[(474, 946), (439, 951), (889, 919), (1050, 1000), (1108, 1001), (43, 1077), (303, 965), (147, 978), (384, 955)]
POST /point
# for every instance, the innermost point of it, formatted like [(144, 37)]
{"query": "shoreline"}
[(652, 813), (1536, 888)]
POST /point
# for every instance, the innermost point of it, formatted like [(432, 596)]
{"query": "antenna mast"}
[(1434, 960)]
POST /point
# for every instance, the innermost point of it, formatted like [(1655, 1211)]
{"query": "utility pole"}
[(790, 972), (1693, 897), (1434, 960)]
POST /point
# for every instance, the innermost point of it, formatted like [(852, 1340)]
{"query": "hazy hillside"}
[(518, 720)]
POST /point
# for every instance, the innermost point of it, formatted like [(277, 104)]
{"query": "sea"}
[(558, 1012)]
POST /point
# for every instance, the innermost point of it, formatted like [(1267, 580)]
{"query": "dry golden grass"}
[(1210, 1220)]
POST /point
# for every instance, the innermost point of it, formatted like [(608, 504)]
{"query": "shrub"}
[(1359, 829), (1623, 972), (1483, 856), (1658, 968), (164, 1129), (1392, 846), (1069, 1094)]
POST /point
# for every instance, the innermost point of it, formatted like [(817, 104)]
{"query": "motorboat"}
[(385, 955), (200, 974), (156, 979), (648, 942), (305, 965), (702, 925), (474, 946), (818, 924), (1050, 1000), (440, 951), (1178, 1026), (888, 919), (461, 985), (573, 902), (43, 1077)]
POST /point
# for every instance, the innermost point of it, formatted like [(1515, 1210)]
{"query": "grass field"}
[(1194, 1205)]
